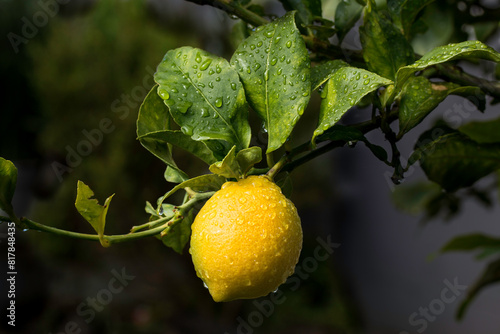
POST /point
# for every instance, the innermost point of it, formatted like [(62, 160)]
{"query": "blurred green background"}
[(93, 61)]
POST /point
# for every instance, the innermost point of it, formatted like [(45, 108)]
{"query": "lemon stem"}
[(277, 167)]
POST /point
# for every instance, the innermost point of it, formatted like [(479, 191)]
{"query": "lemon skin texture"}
[(246, 240)]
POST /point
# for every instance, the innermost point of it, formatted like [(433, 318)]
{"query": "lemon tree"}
[(246, 239)]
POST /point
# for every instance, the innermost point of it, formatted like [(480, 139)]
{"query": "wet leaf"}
[(273, 64), (442, 54), (324, 71), (204, 95), (345, 89), (452, 159), (419, 97), (404, 12), (385, 49)]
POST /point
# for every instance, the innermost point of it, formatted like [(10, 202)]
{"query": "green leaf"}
[(470, 242), (248, 157), (92, 211), (229, 167), (324, 71), (347, 14), (385, 49), (153, 117), (490, 275), (202, 183), (8, 180), (153, 114), (420, 96), (174, 176), (204, 95), (179, 139), (453, 160), (179, 234), (306, 10), (346, 88), (442, 54), (404, 12), (273, 64), (486, 132), (236, 165), (415, 198)]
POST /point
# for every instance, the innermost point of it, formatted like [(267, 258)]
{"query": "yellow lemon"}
[(246, 240)]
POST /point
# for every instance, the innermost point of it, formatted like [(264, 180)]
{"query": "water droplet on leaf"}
[(187, 130), (218, 102), (206, 64), (164, 94)]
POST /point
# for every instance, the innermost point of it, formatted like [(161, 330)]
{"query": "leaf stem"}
[(165, 222)]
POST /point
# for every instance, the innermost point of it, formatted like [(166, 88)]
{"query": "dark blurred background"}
[(85, 61)]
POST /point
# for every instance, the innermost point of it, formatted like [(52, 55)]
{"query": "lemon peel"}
[(246, 240)]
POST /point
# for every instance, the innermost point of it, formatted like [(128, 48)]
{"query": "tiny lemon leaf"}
[(228, 167), (273, 64), (236, 165), (204, 95), (324, 71), (346, 88), (178, 235), (8, 180), (173, 175), (92, 211), (420, 96), (385, 49), (248, 157), (442, 54)]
